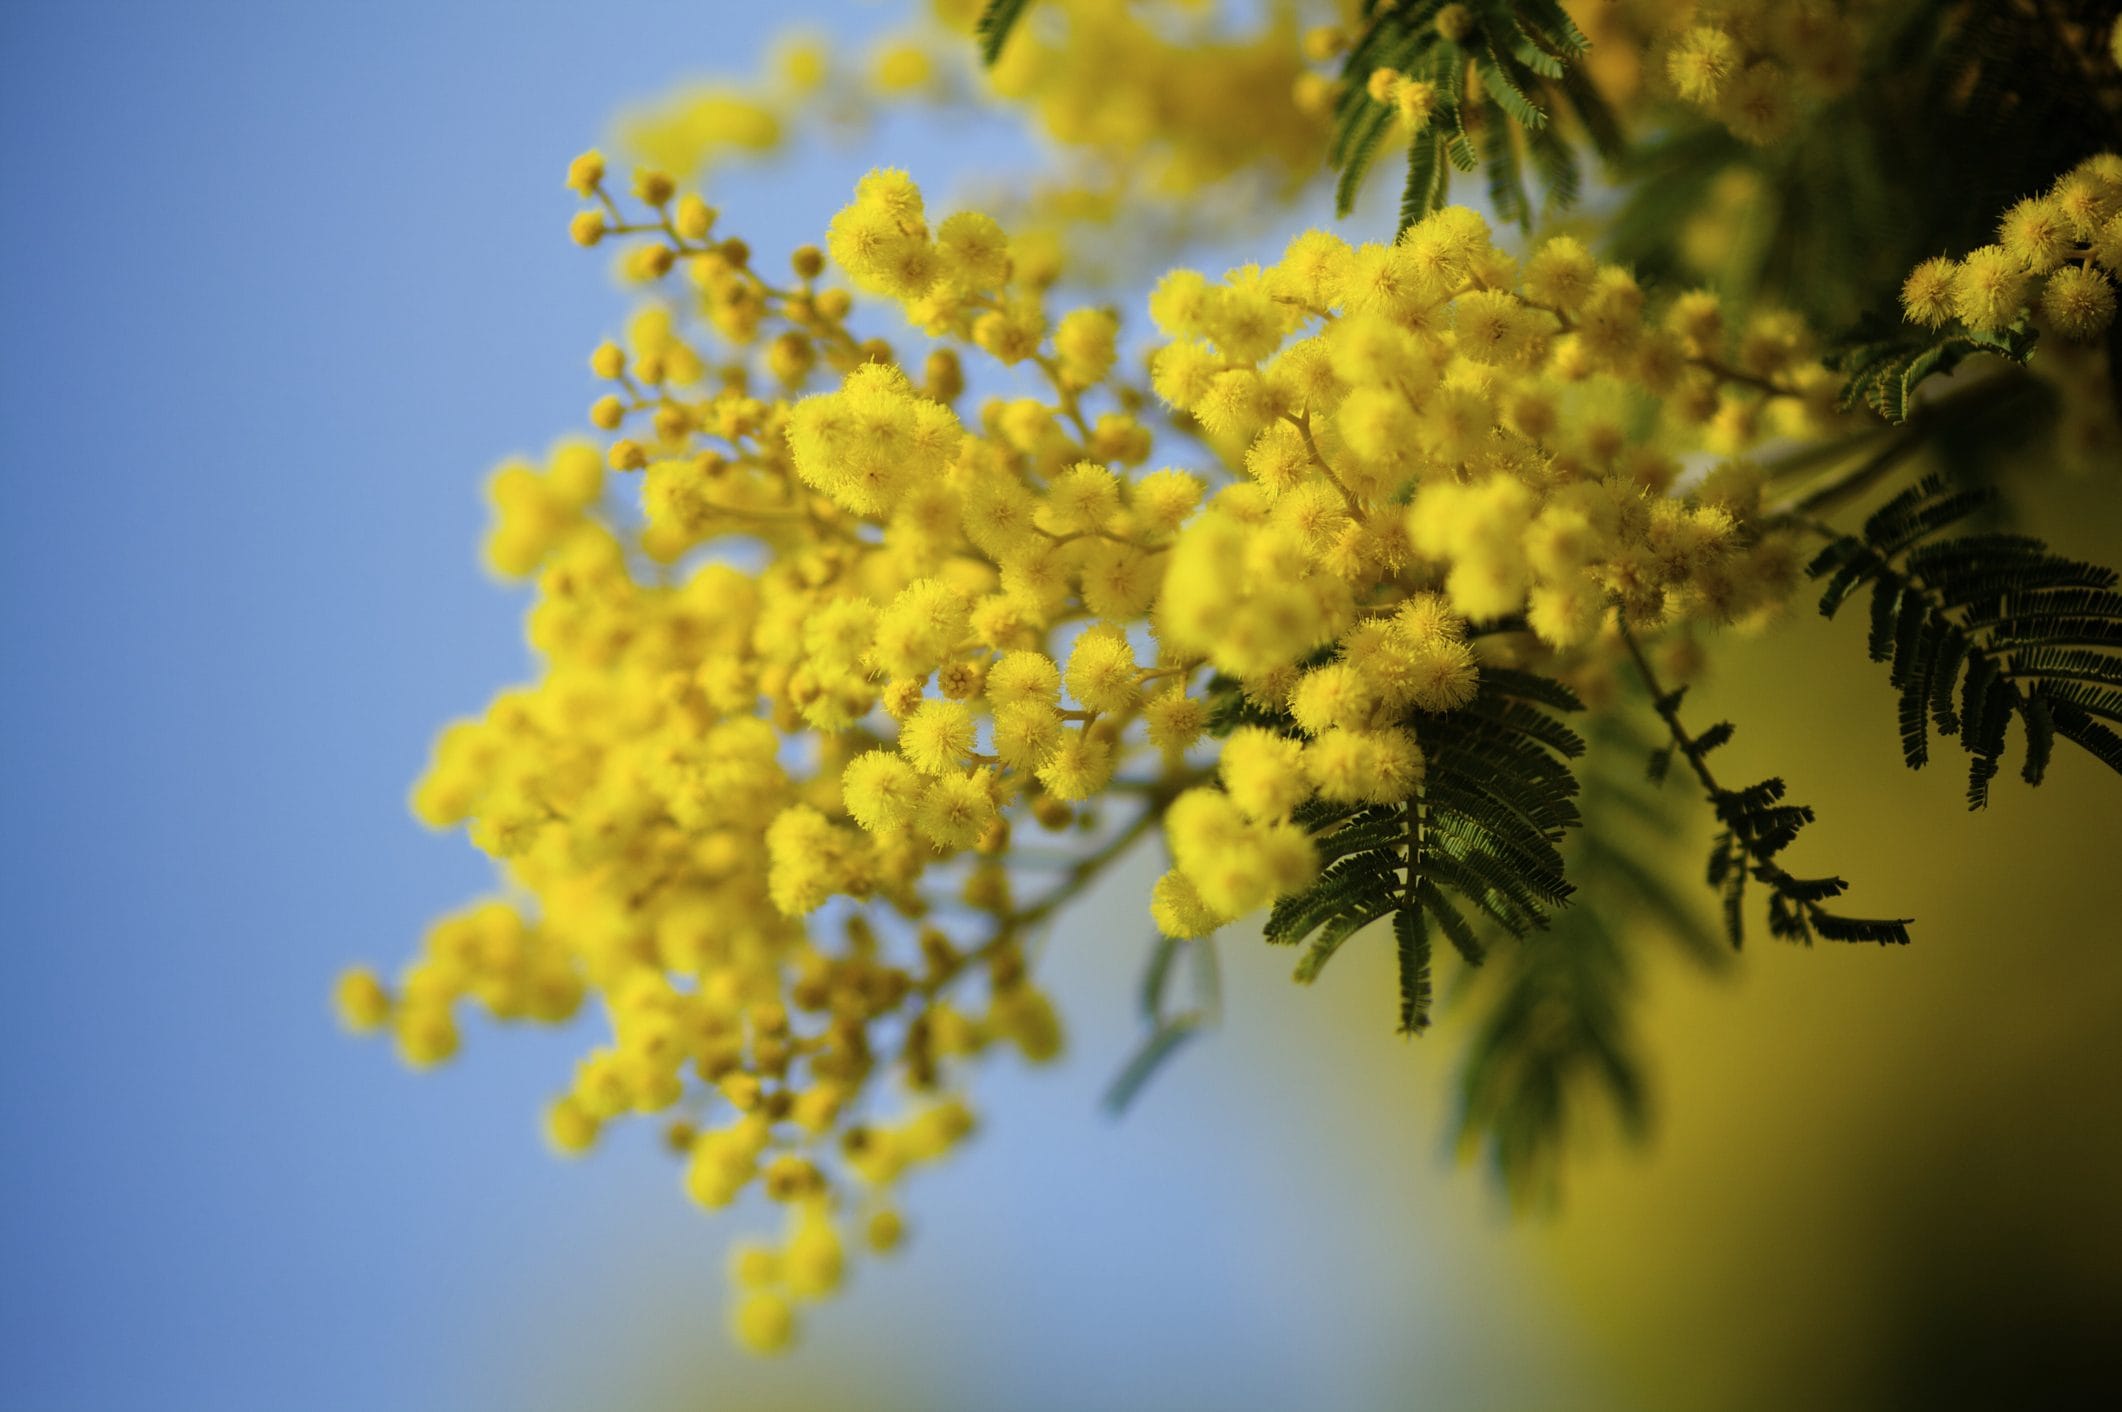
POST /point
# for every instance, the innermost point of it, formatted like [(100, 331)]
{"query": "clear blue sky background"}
[(280, 283)]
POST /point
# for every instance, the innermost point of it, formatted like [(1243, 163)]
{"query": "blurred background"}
[(281, 282)]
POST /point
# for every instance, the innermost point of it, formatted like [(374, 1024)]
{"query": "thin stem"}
[(1667, 707), (1092, 864), (1716, 368), (1085, 870), (1303, 424)]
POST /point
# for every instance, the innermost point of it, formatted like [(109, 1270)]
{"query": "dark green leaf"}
[(996, 23), (1162, 1043)]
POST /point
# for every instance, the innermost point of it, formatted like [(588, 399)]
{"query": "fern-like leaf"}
[(1501, 84), (1555, 1036), (1981, 630), (1480, 839), (1426, 178), (1886, 360), (1757, 824), (1367, 134), (1411, 943), (998, 20)]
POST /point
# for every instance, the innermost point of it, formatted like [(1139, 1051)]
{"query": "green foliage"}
[(1479, 842), (1981, 630), (1557, 1033), (1978, 629), (1757, 825), (1498, 88), (1169, 1029), (1887, 359), (998, 20)]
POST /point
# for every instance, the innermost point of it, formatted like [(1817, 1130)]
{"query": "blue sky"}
[(281, 283)]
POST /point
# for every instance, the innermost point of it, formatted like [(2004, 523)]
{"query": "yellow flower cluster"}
[(1162, 91), (1749, 63), (1413, 99), (1166, 94), (762, 806), (1432, 433), (700, 126), (536, 508), (1151, 105), (2056, 255), (489, 955)]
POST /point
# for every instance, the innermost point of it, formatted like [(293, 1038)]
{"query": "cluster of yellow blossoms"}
[(1159, 122), (1748, 63), (1147, 100), (764, 805), (2056, 255), (1169, 94)]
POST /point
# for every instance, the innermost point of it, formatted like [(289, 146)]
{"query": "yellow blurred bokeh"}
[(1881, 1177)]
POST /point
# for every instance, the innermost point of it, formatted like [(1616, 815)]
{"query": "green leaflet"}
[(1757, 825), (1980, 630), (1553, 1037), (1887, 361), (997, 21), (1479, 841), (1499, 90), (1169, 1030)]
